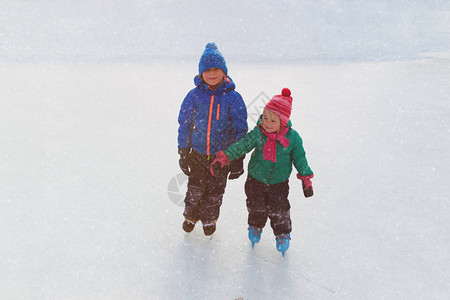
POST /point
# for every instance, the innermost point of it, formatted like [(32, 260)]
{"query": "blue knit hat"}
[(212, 58)]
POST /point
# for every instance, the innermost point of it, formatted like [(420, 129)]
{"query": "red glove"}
[(306, 184), (222, 159)]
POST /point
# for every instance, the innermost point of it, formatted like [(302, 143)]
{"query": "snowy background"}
[(89, 99)]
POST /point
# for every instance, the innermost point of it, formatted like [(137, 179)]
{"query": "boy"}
[(212, 117)]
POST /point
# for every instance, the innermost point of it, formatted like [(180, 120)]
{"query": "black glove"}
[(185, 160), (308, 192), (306, 184), (236, 168), (219, 162)]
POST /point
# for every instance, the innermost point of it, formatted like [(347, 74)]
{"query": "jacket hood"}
[(226, 86)]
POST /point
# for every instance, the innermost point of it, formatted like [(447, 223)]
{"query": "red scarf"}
[(270, 148)]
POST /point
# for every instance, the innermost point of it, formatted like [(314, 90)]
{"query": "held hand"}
[(220, 161), (185, 160), (306, 184), (236, 168)]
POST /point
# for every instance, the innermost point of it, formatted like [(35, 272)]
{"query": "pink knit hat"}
[(281, 105)]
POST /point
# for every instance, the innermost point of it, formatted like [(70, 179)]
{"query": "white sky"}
[(249, 31)]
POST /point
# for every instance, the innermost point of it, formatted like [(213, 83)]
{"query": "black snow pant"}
[(204, 191), (268, 201)]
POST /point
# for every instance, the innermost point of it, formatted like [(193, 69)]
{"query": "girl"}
[(277, 146)]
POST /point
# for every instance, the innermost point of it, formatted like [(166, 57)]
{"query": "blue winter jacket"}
[(209, 120)]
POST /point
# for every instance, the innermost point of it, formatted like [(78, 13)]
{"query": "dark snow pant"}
[(204, 191), (268, 201)]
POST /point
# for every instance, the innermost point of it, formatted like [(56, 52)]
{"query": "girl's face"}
[(270, 121), (213, 77)]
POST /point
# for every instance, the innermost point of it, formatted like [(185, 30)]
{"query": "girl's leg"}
[(256, 202), (279, 208)]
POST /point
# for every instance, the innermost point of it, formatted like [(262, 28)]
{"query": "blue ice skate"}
[(283, 242), (254, 234)]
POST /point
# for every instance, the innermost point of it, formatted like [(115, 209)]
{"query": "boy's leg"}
[(212, 201), (256, 202), (194, 194), (279, 208)]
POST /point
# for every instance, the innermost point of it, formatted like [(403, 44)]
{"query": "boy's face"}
[(270, 121), (213, 77)]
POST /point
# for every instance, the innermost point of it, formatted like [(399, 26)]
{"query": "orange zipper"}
[(208, 134)]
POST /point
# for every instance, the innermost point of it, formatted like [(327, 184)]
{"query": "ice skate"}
[(283, 242), (254, 234), (209, 228), (188, 225)]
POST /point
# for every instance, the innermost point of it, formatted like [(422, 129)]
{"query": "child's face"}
[(213, 77), (270, 121)]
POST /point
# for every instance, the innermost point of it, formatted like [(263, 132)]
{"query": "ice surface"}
[(88, 152)]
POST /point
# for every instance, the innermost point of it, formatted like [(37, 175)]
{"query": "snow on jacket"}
[(267, 171), (211, 120)]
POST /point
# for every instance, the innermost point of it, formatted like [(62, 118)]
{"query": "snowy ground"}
[(88, 151)]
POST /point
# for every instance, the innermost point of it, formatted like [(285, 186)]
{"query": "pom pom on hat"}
[(281, 105), (211, 46), (286, 92), (212, 58)]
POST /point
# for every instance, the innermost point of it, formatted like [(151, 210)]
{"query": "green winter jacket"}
[(267, 171)]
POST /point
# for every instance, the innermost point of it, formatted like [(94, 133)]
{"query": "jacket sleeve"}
[(238, 114), (298, 156), (186, 119), (244, 145)]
